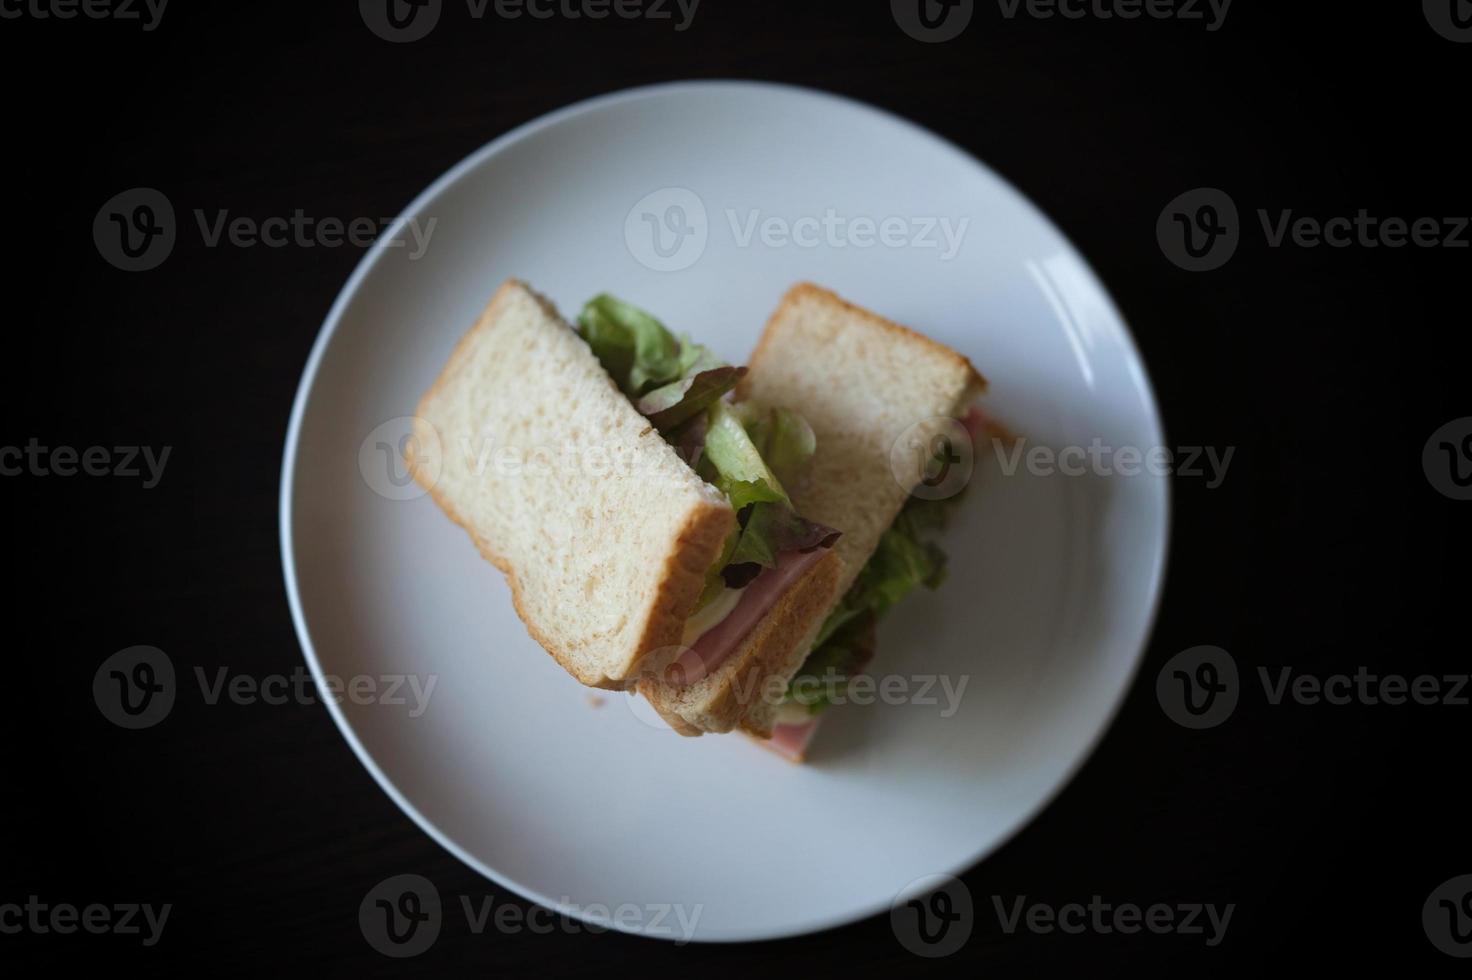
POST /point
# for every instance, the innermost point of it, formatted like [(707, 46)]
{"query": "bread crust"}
[(781, 637), (812, 291), (681, 580), (679, 725)]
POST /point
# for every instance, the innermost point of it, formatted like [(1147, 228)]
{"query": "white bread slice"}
[(861, 381), (604, 534)]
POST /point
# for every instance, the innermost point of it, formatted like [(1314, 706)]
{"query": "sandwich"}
[(638, 507), (887, 408)]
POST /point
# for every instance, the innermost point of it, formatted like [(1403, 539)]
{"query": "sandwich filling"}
[(906, 559), (743, 449)]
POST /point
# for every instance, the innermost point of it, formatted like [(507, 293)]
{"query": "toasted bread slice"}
[(863, 383), (604, 534)]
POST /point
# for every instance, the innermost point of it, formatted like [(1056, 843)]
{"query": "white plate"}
[(1054, 581)]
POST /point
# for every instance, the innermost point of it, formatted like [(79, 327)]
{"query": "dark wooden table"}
[(1325, 550)]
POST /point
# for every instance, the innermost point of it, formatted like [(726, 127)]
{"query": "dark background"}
[(1326, 548)]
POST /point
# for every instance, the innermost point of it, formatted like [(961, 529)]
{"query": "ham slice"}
[(791, 741), (716, 644)]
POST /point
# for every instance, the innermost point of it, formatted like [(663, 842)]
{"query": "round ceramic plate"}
[(703, 202)]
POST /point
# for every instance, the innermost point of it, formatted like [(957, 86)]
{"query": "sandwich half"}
[(881, 385), (605, 471)]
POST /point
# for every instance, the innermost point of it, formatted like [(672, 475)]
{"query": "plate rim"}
[(472, 161)]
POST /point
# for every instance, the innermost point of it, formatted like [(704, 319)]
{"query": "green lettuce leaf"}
[(669, 380), (826, 672), (676, 403), (782, 437), (695, 358), (633, 347), (775, 527), (740, 472), (745, 451), (744, 493), (753, 549), (769, 525)]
